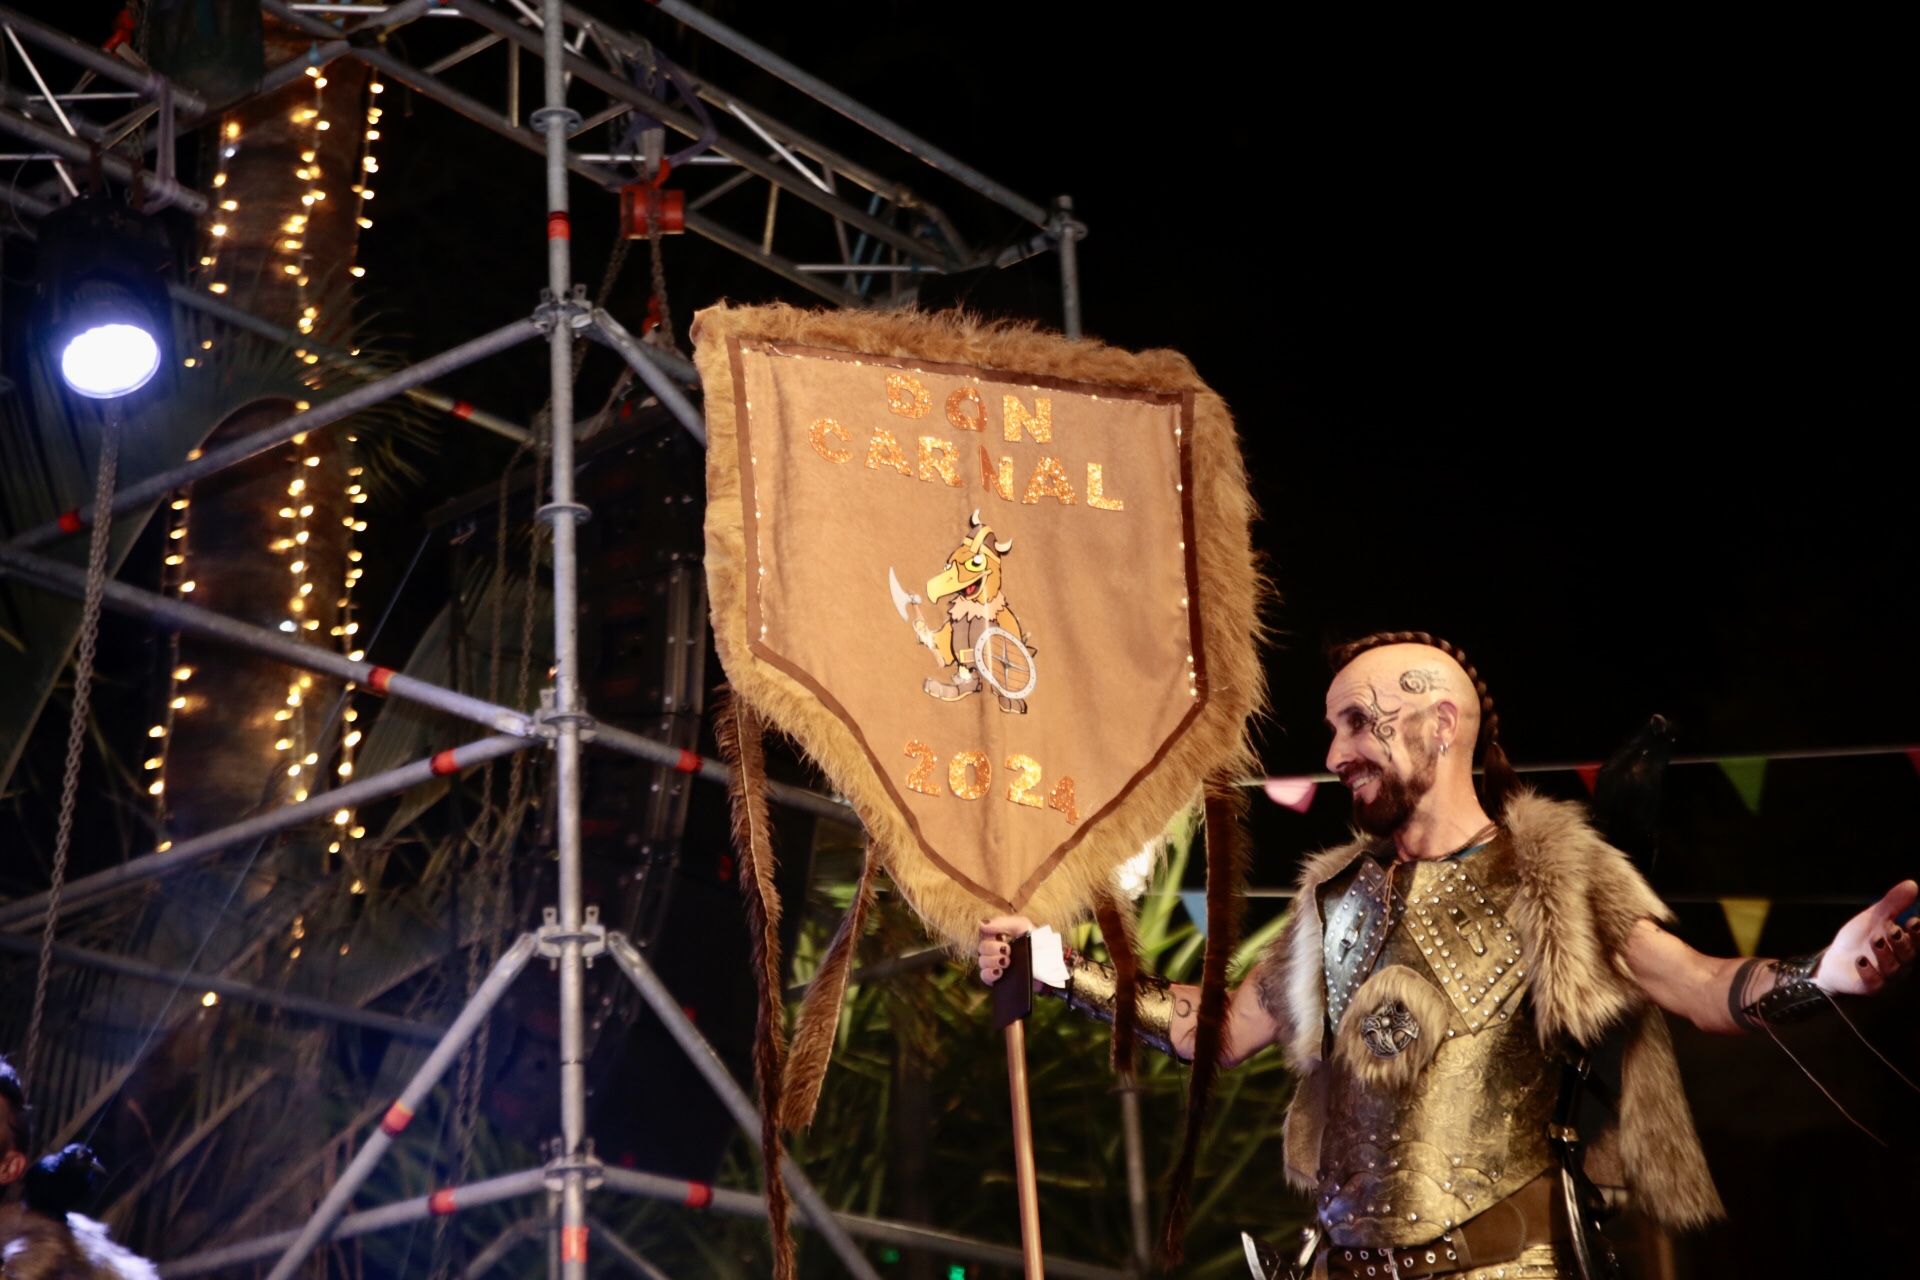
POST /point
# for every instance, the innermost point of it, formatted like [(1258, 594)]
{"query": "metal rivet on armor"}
[(1363, 1255), (1430, 1257), (1449, 1033), (1348, 1257), (1446, 1186), (1452, 1256), (1413, 1217), (1372, 1271), (1456, 1162)]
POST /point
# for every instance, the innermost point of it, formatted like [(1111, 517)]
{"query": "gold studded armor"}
[(1413, 1148)]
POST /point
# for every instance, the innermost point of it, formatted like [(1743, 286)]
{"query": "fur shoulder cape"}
[(1577, 900)]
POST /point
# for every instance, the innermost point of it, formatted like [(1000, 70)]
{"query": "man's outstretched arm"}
[(1717, 993), (1169, 1011)]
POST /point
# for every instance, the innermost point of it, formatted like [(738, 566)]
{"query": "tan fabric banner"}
[(996, 583)]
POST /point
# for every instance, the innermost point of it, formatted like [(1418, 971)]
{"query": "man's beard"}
[(1395, 798)]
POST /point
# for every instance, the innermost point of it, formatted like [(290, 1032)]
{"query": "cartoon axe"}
[(901, 599)]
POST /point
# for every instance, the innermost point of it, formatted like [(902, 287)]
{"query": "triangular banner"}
[(1292, 793), (1748, 774), (1195, 901), (1746, 917), (1589, 775)]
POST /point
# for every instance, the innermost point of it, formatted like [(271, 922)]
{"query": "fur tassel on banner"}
[(819, 1020), (740, 736), (1226, 811), (1116, 930)]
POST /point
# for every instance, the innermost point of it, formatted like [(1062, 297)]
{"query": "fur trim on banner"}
[(1395, 984), (1226, 814), (1123, 949), (817, 1026), (741, 740), (1576, 903), (1215, 743)]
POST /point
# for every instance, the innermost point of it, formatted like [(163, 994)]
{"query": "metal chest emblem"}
[(1357, 923), (1472, 950), (1389, 1029)]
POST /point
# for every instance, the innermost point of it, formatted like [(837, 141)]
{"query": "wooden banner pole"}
[(1025, 1177)]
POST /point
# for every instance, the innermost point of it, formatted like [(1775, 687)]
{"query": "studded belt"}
[(1530, 1216)]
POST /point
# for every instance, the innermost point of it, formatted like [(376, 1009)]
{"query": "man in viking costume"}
[(1446, 980)]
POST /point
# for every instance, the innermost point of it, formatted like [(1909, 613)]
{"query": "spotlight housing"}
[(103, 287)]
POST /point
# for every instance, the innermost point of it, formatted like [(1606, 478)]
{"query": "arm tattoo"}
[(1420, 681), (1182, 1007)]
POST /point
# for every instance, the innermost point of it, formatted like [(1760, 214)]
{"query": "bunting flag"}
[(1746, 918), (1748, 774), (1195, 902), (1292, 793)]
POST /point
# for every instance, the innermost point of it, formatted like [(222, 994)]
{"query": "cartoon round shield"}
[(1005, 664)]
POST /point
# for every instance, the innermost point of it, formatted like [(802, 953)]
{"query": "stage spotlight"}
[(112, 358), (102, 283)]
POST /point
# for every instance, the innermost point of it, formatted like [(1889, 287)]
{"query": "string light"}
[(175, 580)]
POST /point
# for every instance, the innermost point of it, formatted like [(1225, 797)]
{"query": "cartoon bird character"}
[(982, 643)]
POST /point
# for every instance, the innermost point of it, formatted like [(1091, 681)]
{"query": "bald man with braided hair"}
[(1443, 984)]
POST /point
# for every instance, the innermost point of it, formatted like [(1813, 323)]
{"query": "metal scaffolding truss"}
[(768, 192), (883, 231)]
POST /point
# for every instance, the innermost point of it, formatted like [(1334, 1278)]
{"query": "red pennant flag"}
[(1292, 793), (1589, 774)]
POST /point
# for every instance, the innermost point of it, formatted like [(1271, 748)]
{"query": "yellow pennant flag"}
[(1746, 917)]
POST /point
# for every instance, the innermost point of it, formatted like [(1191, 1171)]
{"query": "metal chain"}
[(658, 267), (77, 721)]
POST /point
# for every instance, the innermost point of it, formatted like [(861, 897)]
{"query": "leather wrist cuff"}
[(1795, 996)]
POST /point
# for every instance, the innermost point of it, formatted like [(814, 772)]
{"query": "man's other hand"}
[(1872, 947)]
